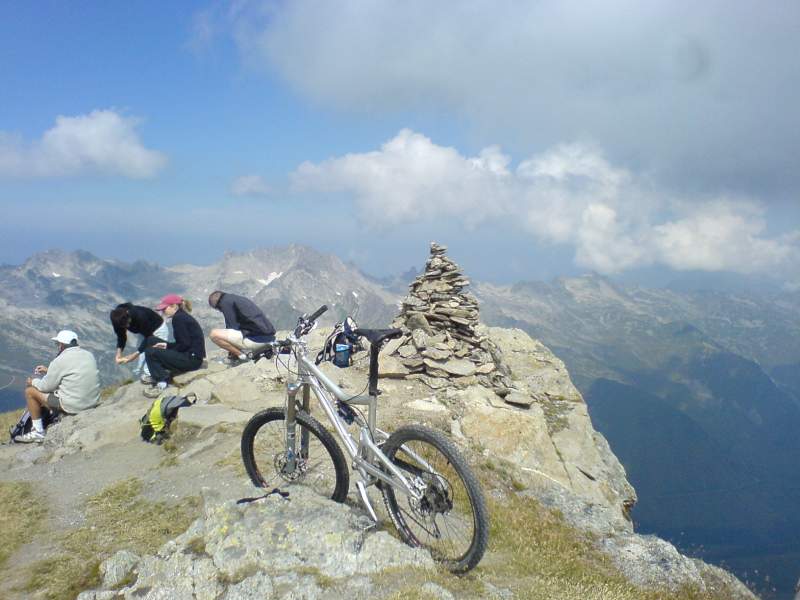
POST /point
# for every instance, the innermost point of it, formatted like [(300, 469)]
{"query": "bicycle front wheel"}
[(316, 461), (451, 519)]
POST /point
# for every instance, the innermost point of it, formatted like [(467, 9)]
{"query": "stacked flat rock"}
[(441, 344)]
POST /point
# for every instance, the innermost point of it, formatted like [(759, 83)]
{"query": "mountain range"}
[(698, 392)]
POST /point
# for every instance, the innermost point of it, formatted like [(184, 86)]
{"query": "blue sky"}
[(536, 139)]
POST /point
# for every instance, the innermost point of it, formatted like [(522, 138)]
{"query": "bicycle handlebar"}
[(318, 313)]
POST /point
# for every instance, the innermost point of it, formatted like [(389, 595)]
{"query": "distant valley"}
[(697, 392)]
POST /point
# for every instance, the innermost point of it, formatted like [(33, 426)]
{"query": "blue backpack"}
[(340, 345)]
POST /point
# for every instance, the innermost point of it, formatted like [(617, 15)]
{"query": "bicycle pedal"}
[(362, 492)]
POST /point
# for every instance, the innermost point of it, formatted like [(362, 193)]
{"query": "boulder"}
[(118, 568), (392, 345), (519, 399), (436, 354), (418, 321), (420, 339), (389, 366), (520, 437)]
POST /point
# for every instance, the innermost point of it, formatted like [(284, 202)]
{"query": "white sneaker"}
[(146, 379), (32, 437)]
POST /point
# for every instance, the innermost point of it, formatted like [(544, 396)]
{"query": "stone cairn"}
[(441, 344)]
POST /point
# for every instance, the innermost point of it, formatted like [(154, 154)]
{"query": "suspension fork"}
[(292, 406), (291, 426)]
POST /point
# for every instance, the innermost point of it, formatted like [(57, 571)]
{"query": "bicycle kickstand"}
[(362, 492)]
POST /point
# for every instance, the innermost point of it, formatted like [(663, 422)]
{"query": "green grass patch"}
[(7, 420), (117, 518), (21, 515), (533, 554)]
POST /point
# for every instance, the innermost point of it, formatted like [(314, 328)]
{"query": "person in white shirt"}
[(70, 384)]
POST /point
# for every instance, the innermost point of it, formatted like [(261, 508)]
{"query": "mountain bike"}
[(431, 495)]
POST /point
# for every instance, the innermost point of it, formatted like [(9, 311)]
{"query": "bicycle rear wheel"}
[(451, 519), (318, 463)]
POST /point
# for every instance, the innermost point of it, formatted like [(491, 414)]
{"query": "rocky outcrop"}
[(310, 547), (270, 548)]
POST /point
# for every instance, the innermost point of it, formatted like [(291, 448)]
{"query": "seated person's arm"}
[(51, 381), (122, 340), (182, 337)]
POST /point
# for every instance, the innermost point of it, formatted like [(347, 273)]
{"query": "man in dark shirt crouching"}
[(246, 327)]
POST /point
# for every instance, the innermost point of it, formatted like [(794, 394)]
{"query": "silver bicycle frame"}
[(365, 454)]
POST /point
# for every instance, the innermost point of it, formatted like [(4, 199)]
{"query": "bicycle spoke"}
[(437, 521), (317, 471)]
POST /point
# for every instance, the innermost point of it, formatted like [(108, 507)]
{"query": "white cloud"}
[(568, 195), (102, 141), (249, 185), (410, 178), (722, 236), (678, 87)]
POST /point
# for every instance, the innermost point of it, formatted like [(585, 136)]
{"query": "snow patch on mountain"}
[(270, 278)]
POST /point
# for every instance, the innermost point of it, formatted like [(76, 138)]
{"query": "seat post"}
[(374, 350)]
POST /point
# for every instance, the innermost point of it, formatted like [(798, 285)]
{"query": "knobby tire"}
[(260, 455), (456, 536)]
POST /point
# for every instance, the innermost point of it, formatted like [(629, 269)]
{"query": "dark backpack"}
[(25, 423), (155, 423), (340, 344)]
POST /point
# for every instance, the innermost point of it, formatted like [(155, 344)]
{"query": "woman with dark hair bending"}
[(186, 353), (151, 327)]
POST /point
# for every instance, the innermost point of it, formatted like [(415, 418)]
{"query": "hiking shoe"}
[(232, 361), (32, 437), (147, 380), (153, 392)]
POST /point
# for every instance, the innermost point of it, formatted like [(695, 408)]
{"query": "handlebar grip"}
[(318, 312)]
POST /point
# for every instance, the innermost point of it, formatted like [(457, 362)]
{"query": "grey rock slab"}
[(97, 595), (175, 577), (459, 367), (407, 350), (310, 531), (651, 562), (392, 345), (212, 415), (236, 392), (426, 405), (417, 321), (255, 586), (391, 367), (595, 472), (290, 586), (518, 436), (519, 399), (420, 338), (188, 377), (118, 568), (436, 354), (202, 388), (435, 383)]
